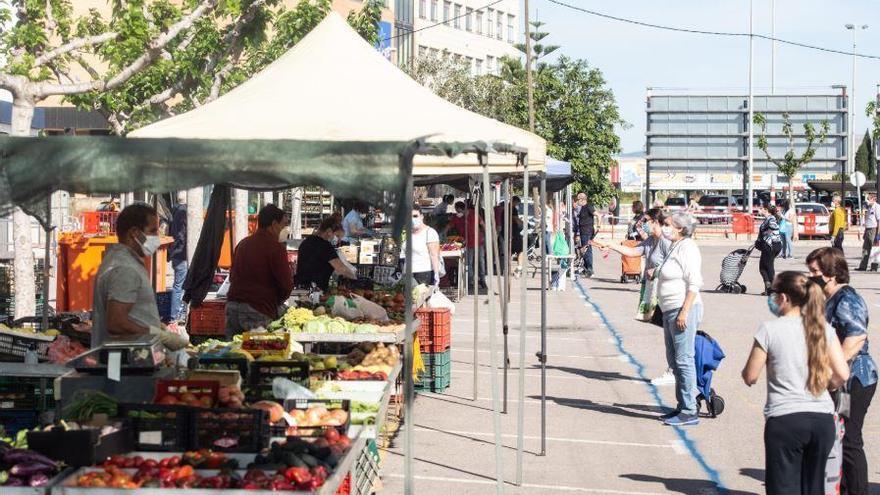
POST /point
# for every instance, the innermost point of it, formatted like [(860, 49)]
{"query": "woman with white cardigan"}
[(678, 292)]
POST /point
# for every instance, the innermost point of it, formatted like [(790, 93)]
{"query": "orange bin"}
[(743, 224), (809, 225), (226, 249), (80, 256)]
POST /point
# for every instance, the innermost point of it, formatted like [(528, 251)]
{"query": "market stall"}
[(237, 141)]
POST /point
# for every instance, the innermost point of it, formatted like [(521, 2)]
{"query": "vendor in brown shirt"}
[(260, 279)]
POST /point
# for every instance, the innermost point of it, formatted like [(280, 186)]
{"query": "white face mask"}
[(417, 222), (334, 241), (284, 234), (150, 244), (667, 232), (363, 216)]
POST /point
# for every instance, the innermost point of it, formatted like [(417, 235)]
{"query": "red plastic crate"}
[(208, 319), (435, 329), (98, 222), (345, 486)]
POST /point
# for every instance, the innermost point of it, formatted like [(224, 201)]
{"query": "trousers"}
[(796, 448), (680, 354), (855, 465)]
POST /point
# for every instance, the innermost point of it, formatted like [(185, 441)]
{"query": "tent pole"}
[(570, 229), (523, 281), (501, 297), (543, 356), (408, 392), (496, 414), (476, 287), (47, 259), (505, 302)]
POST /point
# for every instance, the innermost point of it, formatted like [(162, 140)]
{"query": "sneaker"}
[(671, 414), (667, 378), (683, 419)]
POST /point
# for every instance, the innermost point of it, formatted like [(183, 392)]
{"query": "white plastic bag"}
[(282, 388), (370, 309), (439, 300), (345, 307)]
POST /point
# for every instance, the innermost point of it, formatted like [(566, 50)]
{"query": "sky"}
[(633, 58)]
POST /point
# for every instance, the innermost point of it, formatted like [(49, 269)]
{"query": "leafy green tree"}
[(145, 60), (865, 162), (790, 163)]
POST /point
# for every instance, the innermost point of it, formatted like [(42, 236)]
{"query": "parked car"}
[(675, 203), (822, 218), (715, 209)]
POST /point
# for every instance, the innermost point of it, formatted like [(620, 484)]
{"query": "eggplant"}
[(39, 479), (22, 456), (25, 470), (13, 481), (321, 452), (309, 460), (332, 460)]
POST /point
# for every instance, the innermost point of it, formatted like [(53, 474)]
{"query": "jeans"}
[(838, 240), (867, 244), (766, 266), (787, 239), (469, 255), (241, 317), (796, 448), (680, 354), (548, 242), (586, 237), (855, 465), (180, 269)]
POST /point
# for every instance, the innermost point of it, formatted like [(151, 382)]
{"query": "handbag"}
[(560, 245)]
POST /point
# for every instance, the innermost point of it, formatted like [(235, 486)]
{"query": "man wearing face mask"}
[(353, 223), (260, 279), (125, 302), (872, 221), (318, 259)]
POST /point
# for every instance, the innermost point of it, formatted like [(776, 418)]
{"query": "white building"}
[(471, 31)]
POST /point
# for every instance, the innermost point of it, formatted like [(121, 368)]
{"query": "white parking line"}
[(618, 357), (514, 372), (553, 439), (530, 486)]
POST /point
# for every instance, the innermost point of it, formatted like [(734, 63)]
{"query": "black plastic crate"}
[(14, 420), (230, 430), (26, 393), (14, 346), (240, 364), (79, 448), (262, 373), (158, 427), (316, 431)]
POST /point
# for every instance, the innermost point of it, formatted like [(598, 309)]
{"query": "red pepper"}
[(183, 472), (298, 475)]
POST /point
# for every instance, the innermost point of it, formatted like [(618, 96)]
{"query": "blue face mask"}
[(773, 305), (646, 228)]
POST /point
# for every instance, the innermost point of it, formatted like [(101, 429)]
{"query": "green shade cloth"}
[(31, 168)]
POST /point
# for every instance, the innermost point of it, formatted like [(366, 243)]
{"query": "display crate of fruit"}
[(231, 363), (312, 416), (435, 329), (15, 343), (230, 430), (262, 373), (196, 393), (262, 344), (158, 427)]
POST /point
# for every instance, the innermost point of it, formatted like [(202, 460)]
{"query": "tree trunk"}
[(240, 205), (195, 217), (23, 248)]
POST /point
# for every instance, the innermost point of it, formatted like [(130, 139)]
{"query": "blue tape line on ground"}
[(689, 444)]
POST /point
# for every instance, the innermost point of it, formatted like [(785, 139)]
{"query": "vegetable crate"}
[(230, 430), (438, 374), (262, 373), (163, 304), (305, 407), (181, 390), (15, 420), (14, 346), (261, 344), (240, 364), (97, 222), (85, 447), (208, 319), (26, 393), (435, 329), (157, 427)]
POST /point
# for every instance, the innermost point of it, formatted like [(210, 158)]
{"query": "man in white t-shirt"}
[(872, 221)]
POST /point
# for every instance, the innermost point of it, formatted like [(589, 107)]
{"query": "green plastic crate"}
[(437, 359), (436, 384)]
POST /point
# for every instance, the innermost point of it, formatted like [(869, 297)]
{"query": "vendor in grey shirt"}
[(124, 299)]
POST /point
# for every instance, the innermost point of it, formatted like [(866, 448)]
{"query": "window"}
[(434, 10), (467, 19), (500, 24), (456, 23), (470, 64), (511, 34), (491, 20), (446, 7), (479, 22), (479, 67), (490, 64), (423, 9), (423, 51)]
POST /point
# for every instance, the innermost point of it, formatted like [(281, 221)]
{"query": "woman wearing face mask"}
[(654, 248), (318, 259), (803, 359), (847, 312), (679, 281), (425, 250), (125, 302), (770, 245)]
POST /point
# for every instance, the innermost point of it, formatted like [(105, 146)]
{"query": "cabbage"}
[(366, 328), (336, 327), (314, 326)]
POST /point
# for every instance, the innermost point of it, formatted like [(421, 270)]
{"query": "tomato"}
[(183, 472)]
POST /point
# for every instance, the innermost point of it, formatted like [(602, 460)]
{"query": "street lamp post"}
[(852, 99)]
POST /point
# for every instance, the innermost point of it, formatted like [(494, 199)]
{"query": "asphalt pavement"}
[(602, 435)]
